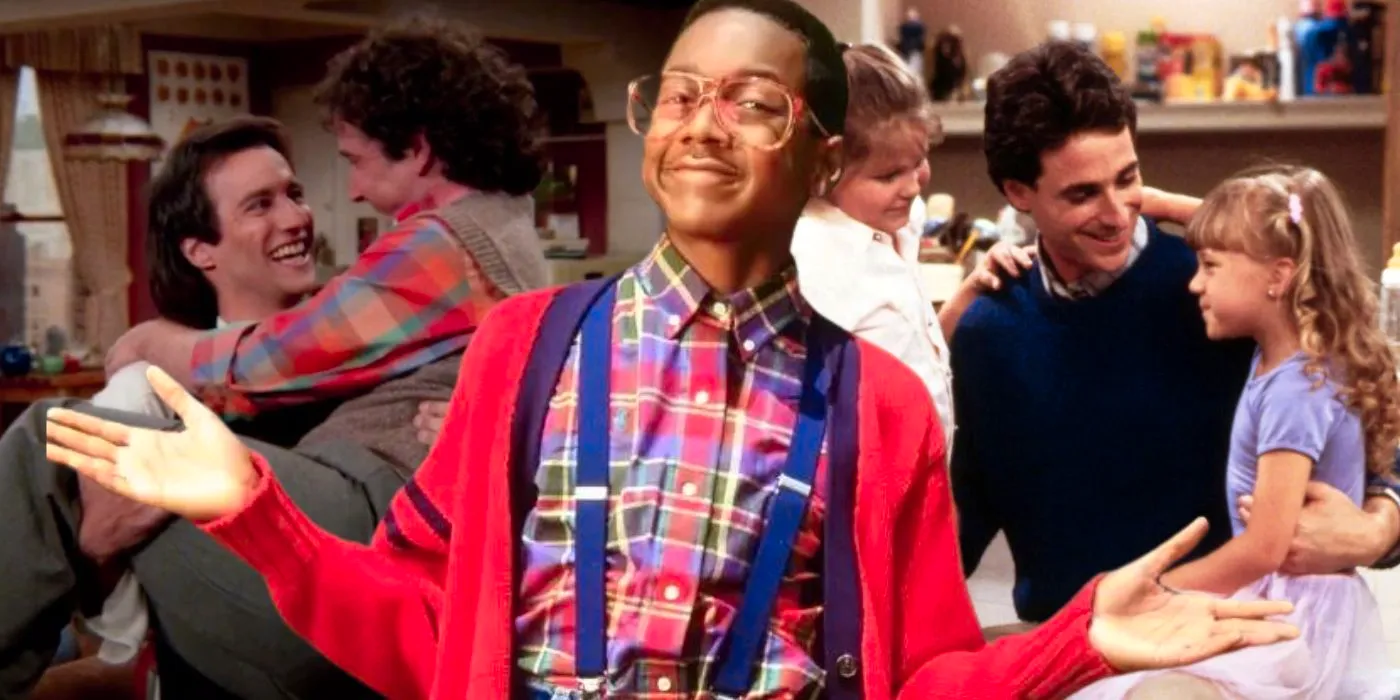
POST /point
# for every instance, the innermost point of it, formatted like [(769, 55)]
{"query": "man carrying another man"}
[(440, 130)]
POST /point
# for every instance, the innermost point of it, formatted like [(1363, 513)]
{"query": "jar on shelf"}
[(1390, 299)]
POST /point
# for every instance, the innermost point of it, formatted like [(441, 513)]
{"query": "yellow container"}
[(1114, 46)]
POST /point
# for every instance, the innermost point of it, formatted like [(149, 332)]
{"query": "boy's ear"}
[(830, 162)]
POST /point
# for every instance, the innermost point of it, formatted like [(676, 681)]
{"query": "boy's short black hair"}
[(1042, 98), (825, 90)]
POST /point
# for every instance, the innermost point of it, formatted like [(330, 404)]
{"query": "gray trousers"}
[(210, 608)]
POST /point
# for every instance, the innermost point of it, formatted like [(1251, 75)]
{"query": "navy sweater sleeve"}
[(978, 522)]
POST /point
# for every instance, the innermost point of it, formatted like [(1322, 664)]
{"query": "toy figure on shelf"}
[(949, 66), (913, 38), (1333, 76), (1247, 83)]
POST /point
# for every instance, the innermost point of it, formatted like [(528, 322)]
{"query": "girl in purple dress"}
[(1279, 264)]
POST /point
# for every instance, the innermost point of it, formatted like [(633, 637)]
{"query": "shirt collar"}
[(410, 210), (1093, 283), (413, 209), (756, 315)]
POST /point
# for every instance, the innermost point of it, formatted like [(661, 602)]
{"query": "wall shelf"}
[(1322, 114)]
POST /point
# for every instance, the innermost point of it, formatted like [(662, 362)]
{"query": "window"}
[(32, 226)]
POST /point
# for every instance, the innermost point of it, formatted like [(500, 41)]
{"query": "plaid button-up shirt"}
[(704, 399), (413, 297)]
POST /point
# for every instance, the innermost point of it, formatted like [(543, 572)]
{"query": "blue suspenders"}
[(749, 629), (591, 494)]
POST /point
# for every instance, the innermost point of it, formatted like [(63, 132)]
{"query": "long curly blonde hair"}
[(1334, 302)]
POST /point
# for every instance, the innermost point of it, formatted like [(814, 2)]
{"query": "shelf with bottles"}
[(1319, 69), (1354, 113)]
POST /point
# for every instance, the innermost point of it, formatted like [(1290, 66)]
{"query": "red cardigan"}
[(425, 611)]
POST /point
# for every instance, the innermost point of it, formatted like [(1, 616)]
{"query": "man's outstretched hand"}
[(1139, 624), (201, 472)]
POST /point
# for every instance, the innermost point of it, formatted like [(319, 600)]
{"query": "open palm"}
[(1141, 624), (199, 472)]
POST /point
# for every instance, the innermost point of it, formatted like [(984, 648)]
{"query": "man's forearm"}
[(1384, 512), (173, 351), (162, 343)]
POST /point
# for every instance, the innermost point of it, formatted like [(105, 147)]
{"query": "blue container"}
[(1317, 44), (16, 361)]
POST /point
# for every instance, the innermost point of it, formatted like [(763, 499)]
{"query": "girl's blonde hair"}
[(882, 92), (1297, 213)]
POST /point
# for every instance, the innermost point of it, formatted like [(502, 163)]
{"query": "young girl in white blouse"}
[(857, 245)]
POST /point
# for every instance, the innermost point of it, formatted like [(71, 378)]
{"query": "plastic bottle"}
[(1305, 46), (1287, 62), (1390, 299), (1087, 36), (1367, 32), (1149, 79)]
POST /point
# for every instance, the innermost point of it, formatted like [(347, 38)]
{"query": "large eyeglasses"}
[(760, 112)]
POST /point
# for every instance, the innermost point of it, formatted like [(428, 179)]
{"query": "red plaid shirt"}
[(413, 297), (704, 399)]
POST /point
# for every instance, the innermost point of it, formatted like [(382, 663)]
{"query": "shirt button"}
[(702, 397), (688, 489), (720, 310), (749, 345), (663, 684), (673, 320), (846, 666), (671, 593)]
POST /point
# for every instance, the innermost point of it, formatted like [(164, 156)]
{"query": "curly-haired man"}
[(441, 131)]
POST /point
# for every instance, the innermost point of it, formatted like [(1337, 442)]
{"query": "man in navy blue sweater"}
[(1094, 414)]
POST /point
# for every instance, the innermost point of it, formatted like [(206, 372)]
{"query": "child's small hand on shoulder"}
[(1002, 259)]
